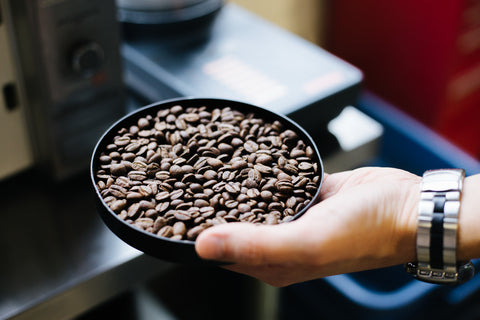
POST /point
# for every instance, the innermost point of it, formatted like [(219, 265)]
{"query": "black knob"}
[(88, 58)]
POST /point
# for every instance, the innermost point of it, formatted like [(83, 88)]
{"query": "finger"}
[(251, 244), (332, 183)]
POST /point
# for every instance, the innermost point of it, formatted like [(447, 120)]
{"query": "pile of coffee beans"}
[(183, 170)]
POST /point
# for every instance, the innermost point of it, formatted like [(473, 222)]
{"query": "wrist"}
[(406, 250), (468, 246)]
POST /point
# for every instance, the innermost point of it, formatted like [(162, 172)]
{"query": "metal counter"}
[(59, 259)]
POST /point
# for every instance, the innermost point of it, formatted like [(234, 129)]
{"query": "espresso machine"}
[(61, 80)]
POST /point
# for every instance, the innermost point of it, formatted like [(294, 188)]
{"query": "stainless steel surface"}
[(14, 139), (445, 184), (59, 259), (67, 71)]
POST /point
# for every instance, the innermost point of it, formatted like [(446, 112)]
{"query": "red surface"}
[(422, 56)]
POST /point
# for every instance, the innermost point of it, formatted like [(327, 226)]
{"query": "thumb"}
[(251, 244)]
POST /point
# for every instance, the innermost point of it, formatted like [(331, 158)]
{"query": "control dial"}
[(88, 58)]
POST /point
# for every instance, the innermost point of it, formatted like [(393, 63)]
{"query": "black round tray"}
[(181, 251)]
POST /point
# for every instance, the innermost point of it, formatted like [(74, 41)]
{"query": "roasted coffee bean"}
[(201, 203), (271, 219), (182, 215), (162, 196), (264, 159), (284, 186), (122, 141), (242, 197), (266, 195), (165, 231), (232, 188), (183, 206), (251, 146), (137, 175), (250, 183), (207, 211), (214, 163), (184, 170), (193, 233), (118, 169), (145, 205), (239, 164), (210, 175), (176, 194), (291, 202), (253, 193), (131, 195), (179, 228), (118, 205), (133, 210), (243, 207), (230, 218)]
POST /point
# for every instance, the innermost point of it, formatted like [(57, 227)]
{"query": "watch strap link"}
[(437, 229)]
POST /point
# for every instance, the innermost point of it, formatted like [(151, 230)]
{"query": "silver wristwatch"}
[(437, 229)]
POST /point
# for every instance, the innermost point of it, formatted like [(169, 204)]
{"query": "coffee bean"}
[(239, 164), (232, 188), (201, 203), (253, 193), (137, 175), (118, 169), (207, 211), (242, 207), (159, 223), (145, 205), (262, 168), (118, 205), (230, 218), (266, 195), (291, 202), (264, 159), (305, 166), (210, 175), (131, 195), (165, 231), (182, 215), (250, 183), (179, 228), (250, 146), (176, 194), (271, 219), (214, 163), (161, 196), (183, 170), (193, 233)]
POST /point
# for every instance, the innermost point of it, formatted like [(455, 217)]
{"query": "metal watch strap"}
[(437, 229)]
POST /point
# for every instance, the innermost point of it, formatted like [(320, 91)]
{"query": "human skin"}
[(366, 219)]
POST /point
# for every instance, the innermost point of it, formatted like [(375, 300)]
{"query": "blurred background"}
[(388, 83)]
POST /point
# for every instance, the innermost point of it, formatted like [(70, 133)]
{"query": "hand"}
[(366, 219)]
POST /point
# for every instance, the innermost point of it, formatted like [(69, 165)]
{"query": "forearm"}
[(468, 246)]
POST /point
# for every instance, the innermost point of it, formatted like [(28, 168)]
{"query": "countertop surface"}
[(54, 243)]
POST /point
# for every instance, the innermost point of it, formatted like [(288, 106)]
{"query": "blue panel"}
[(409, 145)]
